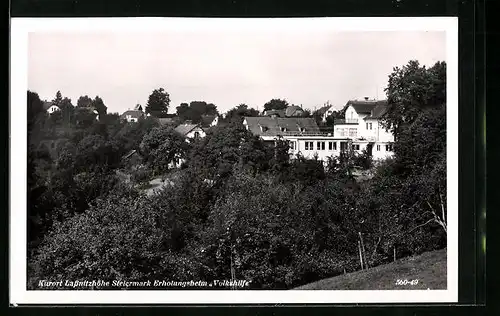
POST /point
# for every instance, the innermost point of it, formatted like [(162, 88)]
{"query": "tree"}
[(99, 106), (195, 110), (122, 236), (35, 111), (216, 155), (276, 104), (84, 101), (55, 119), (411, 89), (58, 99), (131, 135), (94, 151), (420, 145), (158, 103), (84, 117), (237, 113), (161, 147)]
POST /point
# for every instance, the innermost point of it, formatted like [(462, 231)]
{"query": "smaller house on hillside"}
[(169, 120), (132, 115), (190, 131), (274, 113), (324, 112), (294, 110), (50, 107), (132, 158), (208, 121)]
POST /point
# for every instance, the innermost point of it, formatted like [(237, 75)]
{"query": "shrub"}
[(141, 175)]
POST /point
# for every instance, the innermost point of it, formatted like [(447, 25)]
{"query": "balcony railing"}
[(295, 133), (346, 121)]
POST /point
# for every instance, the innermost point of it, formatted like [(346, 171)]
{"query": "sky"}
[(224, 68)]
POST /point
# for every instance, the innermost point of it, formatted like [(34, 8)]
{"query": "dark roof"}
[(322, 110), (293, 110), (378, 111), (272, 126), (133, 113), (130, 154), (166, 120), (364, 106), (279, 113), (183, 129), (206, 120), (47, 105)]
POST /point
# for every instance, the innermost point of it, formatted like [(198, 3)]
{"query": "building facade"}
[(362, 124), (360, 130)]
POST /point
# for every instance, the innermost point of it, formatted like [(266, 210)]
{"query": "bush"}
[(124, 236), (141, 175)]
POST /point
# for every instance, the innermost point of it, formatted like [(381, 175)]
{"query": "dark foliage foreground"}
[(240, 208)]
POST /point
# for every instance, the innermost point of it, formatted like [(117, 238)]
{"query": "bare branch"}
[(432, 219)]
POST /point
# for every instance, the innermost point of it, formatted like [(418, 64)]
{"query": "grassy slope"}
[(429, 268)]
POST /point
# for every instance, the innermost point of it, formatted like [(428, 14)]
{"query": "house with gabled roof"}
[(50, 107), (294, 110), (208, 121), (132, 115), (363, 124), (303, 134), (190, 131)]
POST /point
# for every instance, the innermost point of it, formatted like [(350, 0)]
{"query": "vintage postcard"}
[(201, 161)]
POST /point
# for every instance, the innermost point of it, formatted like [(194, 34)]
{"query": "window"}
[(388, 147), (353, 132), (283, 129), (343, 146), (196, 134), (342, 132), (332, 145), (320, 145), (370, 125), (292, 145), (378, 147), (366, 125), (355, 147), (309, 146)]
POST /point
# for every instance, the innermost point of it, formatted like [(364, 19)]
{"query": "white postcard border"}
[(21, 27)]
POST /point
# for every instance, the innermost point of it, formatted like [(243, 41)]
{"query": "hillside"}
[(429, 269)]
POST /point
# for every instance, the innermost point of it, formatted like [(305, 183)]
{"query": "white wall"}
[(53, 109), (300, 147), (192, 133), (382, 153), (215, 121)]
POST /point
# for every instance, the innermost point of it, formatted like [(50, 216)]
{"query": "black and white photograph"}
[(215, 160)]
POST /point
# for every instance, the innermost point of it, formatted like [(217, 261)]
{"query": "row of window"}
[(320, 145)]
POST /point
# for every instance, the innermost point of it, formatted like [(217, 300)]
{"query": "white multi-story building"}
[(303, 134), (362, 124), (360, 129)]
